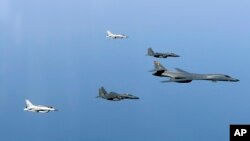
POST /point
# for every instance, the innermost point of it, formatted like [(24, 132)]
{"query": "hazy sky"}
[(56, 53)]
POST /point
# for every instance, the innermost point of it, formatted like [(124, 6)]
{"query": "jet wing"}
[(177, 80), (164, 56), (129, 96), (114, 99), (180, 70), (42, 111)]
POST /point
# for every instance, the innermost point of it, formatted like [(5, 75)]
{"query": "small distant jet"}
[(114, 96), (160, 55), (115, 36), (38, 108), (181, 76)]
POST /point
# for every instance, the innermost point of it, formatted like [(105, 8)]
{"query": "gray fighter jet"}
[(181, 76), (160, 55), (114, 96)]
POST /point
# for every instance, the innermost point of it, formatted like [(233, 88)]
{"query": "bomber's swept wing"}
[(177, 80), (180, 70)]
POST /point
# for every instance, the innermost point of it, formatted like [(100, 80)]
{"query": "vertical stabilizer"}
[(109, 33), (150, 52), (28, 103), (159, 67), (102, 92)]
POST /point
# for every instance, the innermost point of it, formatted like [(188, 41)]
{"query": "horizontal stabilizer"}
[(153, 70)]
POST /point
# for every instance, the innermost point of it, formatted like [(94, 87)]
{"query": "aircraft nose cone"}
[(236, 80), (136, 97)]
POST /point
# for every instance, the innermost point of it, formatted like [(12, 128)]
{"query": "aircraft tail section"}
[(28, 103), (150, 52), (159, 66), (102, 92), (109, 33)]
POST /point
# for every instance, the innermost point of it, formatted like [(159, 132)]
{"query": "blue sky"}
[(56, 53)]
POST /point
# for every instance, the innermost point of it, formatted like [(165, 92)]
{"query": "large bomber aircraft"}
[(181, 76), (38, 108), (115, 36), (160, 55), (114, 96)]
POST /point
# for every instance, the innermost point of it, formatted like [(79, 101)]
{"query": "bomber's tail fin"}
[(28, 103), (159, 69), (159, 66), (150, 52), (102, 92)]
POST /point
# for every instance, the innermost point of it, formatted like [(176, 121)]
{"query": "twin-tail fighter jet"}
[(38, 108), (160, 55), (115, 36), (181, 76), (114, 96)]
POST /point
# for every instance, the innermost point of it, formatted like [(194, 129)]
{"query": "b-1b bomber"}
[(181, 76), (114, 96)]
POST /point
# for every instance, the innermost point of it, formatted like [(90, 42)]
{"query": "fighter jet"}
[(38, 108), (181, 76), (160, 55), (115, 36), (114, 96)]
